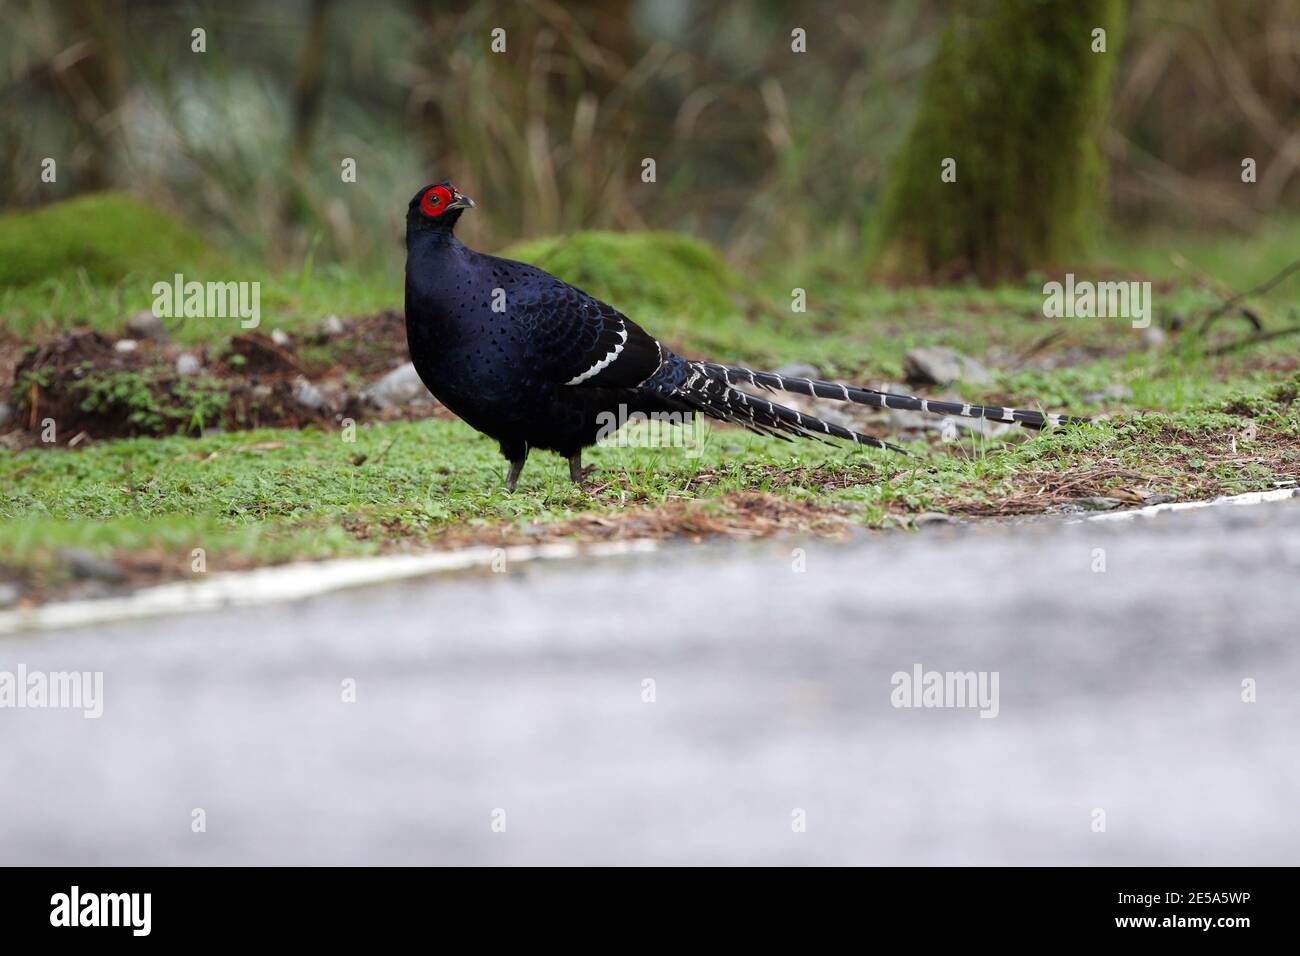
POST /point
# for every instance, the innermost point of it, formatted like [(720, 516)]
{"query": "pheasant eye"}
[(434, 202)]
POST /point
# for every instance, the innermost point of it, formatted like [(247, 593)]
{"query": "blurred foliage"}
[(757, 148), (766, 152), (103, 236), (664, 272), (1204, 85)]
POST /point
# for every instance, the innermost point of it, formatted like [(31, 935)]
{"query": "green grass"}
[(273, 495), (293, 302), (1235, 260)]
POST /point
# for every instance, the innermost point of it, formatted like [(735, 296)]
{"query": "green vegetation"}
[(1188, 424), (274, 494), (102, 238), (1016, 97), (132, 397), (294, 303), (663, 272)]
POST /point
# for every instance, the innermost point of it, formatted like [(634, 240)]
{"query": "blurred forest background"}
[(772, 155)]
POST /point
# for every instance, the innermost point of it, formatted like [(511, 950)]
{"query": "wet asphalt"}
[(703, 704)]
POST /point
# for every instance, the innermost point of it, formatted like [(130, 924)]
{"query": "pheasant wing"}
[(578, 340)]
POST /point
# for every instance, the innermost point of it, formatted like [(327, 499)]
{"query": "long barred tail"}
[(697, 386), (769, 381)]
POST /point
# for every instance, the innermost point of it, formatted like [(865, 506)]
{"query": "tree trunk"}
[(1017, 97)]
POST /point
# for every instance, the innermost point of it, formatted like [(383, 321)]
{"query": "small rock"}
[(306, 394), (940, 365), (1095, 504), (834, 412), (333, 325), (260, 393), (903, 420), (1153, 336), (9, 594), (145, 325), (188, 364), (798, 371), (6, 414), (400, 385), (89, 590), (279, 337), (931, 517), (335, 393), (1117, 393), (1159, 499), (126, 345), (86, 565)]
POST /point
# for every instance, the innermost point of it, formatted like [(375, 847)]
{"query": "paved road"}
[(1118, 691)]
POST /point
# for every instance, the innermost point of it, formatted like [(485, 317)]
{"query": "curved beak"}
[(460, 201)]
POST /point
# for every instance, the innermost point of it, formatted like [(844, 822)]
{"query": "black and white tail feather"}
[(710, 389)]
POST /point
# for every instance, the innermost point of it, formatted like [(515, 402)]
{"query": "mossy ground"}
[(662, 272), (101, 238), (1196, 425)]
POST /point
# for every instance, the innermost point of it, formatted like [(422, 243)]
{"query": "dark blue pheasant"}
[(533, 362)]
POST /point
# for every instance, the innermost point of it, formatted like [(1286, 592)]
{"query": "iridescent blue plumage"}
[(534, 362)]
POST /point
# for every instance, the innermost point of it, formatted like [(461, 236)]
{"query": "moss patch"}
[(660, 271), (1015, 98), (109, 235)]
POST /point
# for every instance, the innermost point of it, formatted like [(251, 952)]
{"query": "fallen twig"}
[(1231, 302), (1253, 340)]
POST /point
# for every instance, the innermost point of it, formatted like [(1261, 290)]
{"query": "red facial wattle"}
[(435, 202)]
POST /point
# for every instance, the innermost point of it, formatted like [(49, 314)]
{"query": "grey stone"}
[(188, 364), (145, 325), (932, 517), (86, 565), (400, 385), (1161, 499), (126, 345), (279, 337), (1153, 336), (798, 370), (940, 365), (6, 414), (836, 413), (307, 395), (1117, 393), (334, 393), (1094, 504), (9, 594), (903, 420), (333, 325)]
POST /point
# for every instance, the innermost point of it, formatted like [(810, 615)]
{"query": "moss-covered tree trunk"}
[(1013, 111)]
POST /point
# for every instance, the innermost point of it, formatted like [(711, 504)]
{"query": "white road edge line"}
[(1250, 498), (291, 582), (308, 578)]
